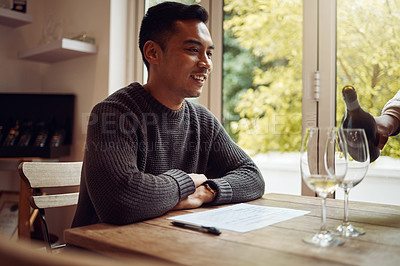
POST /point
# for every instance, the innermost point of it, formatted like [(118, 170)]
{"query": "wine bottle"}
[(2, 129), (42, 135), (26, 135), (58, 136), (13, 135), (356, 117)]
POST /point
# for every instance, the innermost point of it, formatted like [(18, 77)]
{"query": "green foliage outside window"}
[(269, 109), (263, 84)]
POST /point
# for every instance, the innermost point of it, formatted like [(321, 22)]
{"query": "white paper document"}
[(240, 217)]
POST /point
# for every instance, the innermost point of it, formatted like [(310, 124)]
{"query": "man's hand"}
[(195, 200), (200, 196), (386, 125), (198, 179)]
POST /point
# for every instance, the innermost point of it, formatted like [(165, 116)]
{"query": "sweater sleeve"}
[(392, 107), (119, 192), (232, 171)]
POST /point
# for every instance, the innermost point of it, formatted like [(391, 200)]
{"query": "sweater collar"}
[(154, 105)]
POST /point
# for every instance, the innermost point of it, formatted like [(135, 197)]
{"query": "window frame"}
[(319, 66)]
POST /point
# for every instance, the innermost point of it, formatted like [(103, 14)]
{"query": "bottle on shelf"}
[(42, 135), (356, 117), (12, 135), (2, 133), (26, 134), (58, 136)]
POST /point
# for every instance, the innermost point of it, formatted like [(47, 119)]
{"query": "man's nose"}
[(205, 62)]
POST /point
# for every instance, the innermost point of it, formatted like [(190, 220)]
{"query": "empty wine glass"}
[(358, 162), (323, 165)]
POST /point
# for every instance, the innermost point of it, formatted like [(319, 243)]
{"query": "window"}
[(262, 86)]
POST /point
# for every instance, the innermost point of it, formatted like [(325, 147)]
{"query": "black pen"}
[(200, 228)]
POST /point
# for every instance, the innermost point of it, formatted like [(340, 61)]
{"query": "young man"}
[(149, 150)]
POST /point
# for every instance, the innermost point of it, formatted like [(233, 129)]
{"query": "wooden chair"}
[(38, 175)]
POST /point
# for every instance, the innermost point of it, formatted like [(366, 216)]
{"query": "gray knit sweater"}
[(139, 153)]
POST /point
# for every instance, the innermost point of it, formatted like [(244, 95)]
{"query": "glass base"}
[(347, 230), (323, 240)]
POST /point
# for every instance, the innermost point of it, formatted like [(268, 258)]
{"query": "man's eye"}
[(209, 54), (194, 50)]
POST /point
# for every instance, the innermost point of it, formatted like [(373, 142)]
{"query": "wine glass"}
[(358, 162), (323, 165)]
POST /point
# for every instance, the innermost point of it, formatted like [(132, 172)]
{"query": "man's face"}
[(186, 60)]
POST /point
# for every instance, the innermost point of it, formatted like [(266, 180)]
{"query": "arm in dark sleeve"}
[(237, 178)]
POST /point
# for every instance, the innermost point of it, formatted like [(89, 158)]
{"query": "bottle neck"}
[(353, 105)]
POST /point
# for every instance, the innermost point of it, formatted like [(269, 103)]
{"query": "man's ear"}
[(151, 52)]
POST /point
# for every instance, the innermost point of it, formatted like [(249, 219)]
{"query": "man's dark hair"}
[(159, 22)]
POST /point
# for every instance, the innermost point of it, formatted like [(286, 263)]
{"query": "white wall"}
[(86, 77), (17, 75)]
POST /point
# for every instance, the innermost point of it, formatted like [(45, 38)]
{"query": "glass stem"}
[(346, 206), (323, 216)]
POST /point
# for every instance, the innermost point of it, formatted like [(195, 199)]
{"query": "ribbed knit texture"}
[(139, 153)]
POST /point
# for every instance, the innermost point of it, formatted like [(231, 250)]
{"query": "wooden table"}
[(278, 244)]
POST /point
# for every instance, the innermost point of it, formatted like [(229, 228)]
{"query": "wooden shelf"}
[(60, 50), (14, 19)]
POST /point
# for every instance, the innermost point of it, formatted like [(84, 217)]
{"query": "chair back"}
[(40, 175)]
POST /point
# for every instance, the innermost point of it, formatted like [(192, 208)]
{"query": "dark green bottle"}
[(356, 117)]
